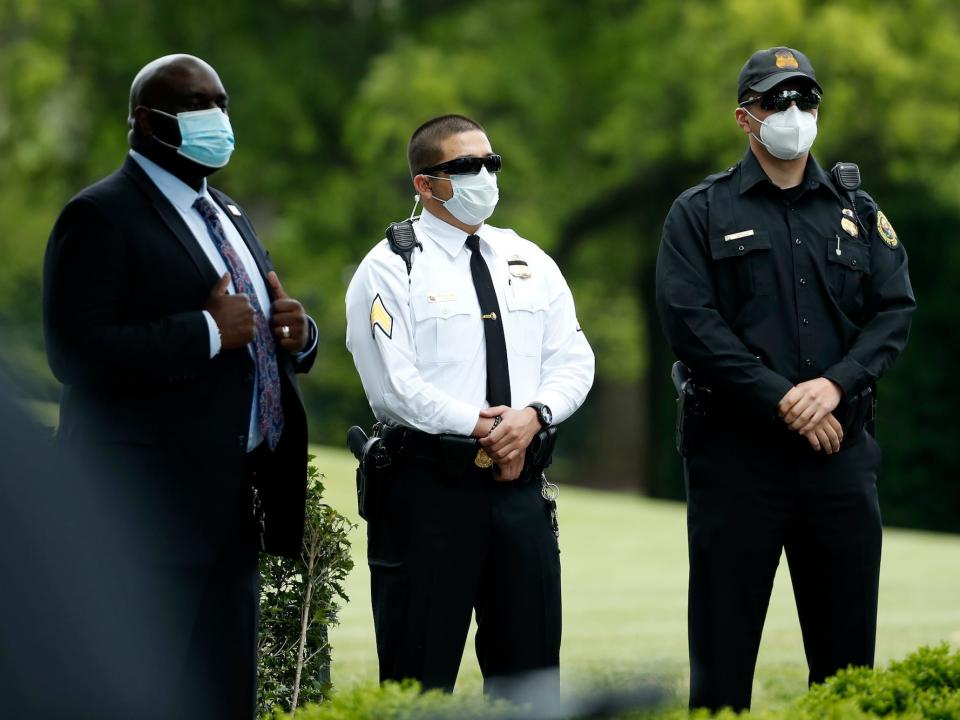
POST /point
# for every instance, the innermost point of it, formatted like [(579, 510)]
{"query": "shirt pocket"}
[(446, 330), (745, 262), (527, 306), (847, 273)]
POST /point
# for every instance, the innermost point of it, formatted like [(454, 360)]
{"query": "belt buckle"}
[(482, 460)]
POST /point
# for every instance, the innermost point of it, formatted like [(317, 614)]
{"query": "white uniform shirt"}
[(418, 342)]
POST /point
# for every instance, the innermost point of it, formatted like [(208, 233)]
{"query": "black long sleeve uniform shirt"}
[(759, 288)]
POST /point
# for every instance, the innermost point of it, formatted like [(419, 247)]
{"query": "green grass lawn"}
[(624, 595)]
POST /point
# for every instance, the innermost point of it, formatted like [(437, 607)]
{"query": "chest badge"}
[(848, 212), (886, 230), (519, 268), (850, 227)]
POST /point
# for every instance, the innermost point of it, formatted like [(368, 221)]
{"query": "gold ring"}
[(285, 331)]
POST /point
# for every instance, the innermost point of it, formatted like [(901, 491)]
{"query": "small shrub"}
[(402, 701), (299, 602)]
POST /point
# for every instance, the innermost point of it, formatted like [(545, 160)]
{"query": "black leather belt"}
[(451, 451)]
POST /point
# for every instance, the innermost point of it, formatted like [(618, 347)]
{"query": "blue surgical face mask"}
[(205, 136)]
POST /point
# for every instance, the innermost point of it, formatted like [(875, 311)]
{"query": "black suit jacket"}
[(125, 283)]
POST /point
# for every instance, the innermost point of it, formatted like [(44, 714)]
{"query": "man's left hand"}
[(808, 403), (510, 470), (509, 439), (285, 312)]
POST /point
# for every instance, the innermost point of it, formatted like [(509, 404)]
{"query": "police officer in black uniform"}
[(785, 291)]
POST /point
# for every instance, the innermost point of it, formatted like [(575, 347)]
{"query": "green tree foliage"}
[(299, 602), (604, 112)]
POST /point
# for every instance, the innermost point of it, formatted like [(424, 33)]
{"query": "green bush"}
[(926, 684), (923, 686), (299, 601), (401, 701)]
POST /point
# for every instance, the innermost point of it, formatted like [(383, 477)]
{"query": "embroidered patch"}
[(380, 318), (887, 233)]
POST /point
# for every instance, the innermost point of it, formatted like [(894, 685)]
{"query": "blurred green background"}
[(604, 111)]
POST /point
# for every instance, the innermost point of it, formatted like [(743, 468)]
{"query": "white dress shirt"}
[(182, 197), (418, 342)]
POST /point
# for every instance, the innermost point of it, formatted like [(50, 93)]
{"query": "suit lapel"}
[(245, 229), (172, 218)]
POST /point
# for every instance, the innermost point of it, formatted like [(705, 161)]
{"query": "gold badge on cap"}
[(380, 318), (786, 60), (887, 233), (850, 226), (518, 267)]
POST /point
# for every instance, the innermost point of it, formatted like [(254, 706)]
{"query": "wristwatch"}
[(544, 414)]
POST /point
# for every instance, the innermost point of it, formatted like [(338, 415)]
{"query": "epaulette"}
[(403, 241), (711, 179)]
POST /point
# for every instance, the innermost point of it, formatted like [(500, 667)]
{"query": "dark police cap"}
[(770, 67)]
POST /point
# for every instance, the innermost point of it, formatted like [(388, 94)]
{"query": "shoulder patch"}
[(885, 229), (381, 318)]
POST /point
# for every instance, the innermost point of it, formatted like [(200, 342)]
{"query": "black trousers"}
[(448, 543), (747, 501)]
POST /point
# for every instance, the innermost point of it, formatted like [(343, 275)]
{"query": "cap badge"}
[(785, 59)]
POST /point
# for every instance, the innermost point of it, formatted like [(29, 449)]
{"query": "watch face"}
[(545, 415)]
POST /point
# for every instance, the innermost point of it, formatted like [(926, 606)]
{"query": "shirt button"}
[(854, 262), (740, 248), (808, 362), (805, 321), (803, 281), (798, 241)]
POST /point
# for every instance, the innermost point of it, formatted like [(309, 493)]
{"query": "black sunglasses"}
[(466, 165), (780, 101)]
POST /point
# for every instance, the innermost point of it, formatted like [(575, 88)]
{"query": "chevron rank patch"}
[(886, 230), (380, 318)]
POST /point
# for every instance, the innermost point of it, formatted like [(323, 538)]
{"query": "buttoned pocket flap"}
[(522, 295), (442, 305), (853, 254), (730, 246)]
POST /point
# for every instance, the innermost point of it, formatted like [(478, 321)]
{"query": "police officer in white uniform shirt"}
[(468, 355)]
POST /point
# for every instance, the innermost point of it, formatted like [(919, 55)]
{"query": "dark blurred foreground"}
[(84, 631)]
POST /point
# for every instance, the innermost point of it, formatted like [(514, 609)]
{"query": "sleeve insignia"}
[(887, 233), (380, 318)]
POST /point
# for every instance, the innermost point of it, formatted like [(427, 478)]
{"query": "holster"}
[(692, 409), (539, 453), (373, 470)]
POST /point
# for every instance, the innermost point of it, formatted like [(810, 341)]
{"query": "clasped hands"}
[(507, 443), (236, 321), (808, 409)]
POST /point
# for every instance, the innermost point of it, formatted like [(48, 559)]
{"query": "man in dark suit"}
[(178, 349)]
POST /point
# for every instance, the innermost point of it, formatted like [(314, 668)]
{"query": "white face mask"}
[(474, 196), (787, 134)]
